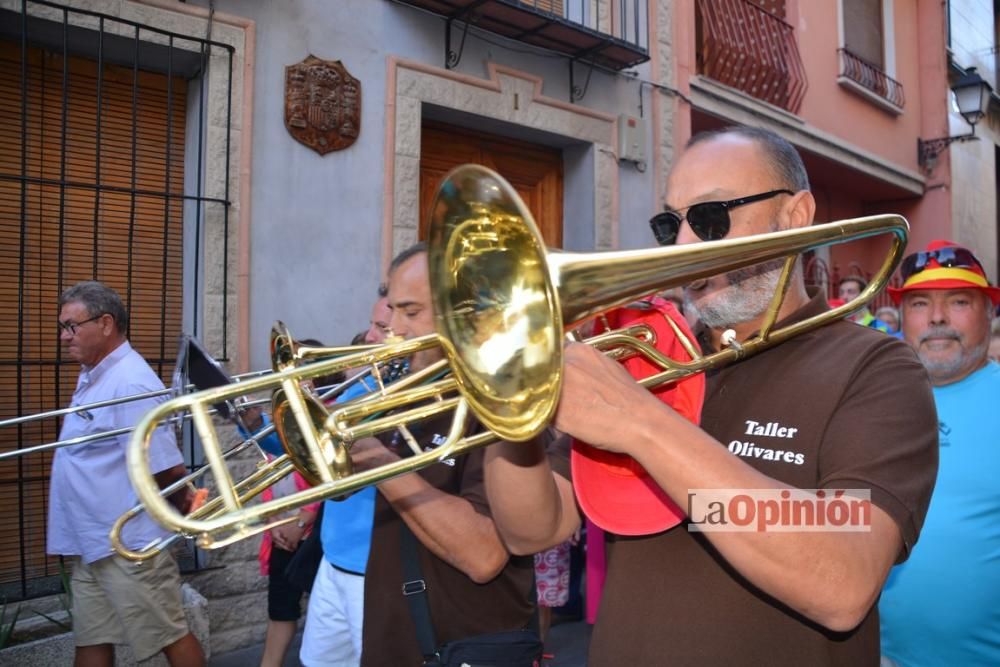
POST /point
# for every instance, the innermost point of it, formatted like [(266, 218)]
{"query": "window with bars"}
[(863, 31), (75, 216), (866, 58), (101, 165)]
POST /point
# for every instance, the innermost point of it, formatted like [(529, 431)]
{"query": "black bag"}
[(513, 648), (303, 565), (516, 648)]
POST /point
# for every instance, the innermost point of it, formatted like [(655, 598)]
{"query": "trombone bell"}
[(496, 308), (335, 455)]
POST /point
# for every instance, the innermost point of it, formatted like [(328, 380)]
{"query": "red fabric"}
[(264, 556), (613, 490)]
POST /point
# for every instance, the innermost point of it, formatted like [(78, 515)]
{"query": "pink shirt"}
[(264, 557)]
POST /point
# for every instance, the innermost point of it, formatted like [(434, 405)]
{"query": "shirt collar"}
[(92, 374)]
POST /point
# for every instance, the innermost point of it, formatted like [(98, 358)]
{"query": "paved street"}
[(567, 645)]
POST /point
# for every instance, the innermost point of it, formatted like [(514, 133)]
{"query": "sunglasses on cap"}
[(949, 257), (709, 220)]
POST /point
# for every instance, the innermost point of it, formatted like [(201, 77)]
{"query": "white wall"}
[(974, 189), (316, 227)]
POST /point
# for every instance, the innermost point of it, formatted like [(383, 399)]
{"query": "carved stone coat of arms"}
[(322, 104)]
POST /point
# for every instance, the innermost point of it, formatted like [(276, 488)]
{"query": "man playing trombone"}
[(472, 585), (115, 601), (842, 407)]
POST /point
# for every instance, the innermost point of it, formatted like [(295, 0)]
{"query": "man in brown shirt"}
[(473, 586), (843, 407)]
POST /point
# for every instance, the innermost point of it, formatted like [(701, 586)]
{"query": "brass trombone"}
[(94, 437), (286, 353), (502, 303)]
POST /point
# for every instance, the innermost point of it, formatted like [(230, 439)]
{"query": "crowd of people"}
[(450, 565)]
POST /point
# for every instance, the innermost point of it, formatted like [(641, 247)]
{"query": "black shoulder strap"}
[(415, 592)]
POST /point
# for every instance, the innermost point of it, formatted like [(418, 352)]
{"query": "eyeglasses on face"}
[(951, 257), (709, 220), (71, 327)]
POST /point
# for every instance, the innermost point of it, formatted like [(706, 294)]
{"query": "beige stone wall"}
[(974, 190), (666, 106)]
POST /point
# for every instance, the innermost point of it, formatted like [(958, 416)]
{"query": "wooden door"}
[(534, 171)]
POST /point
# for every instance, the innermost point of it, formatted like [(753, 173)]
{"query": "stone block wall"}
[(59, 649)]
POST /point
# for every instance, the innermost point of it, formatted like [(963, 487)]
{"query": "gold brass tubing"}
[(262, 478), (246, 522), (338, 419), (641, 332), (148, 551), (293, 393), (142, 480), (689, 345), (778, 298), (213, 454), (370, 428)]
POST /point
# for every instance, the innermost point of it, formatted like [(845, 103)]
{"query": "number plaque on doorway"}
[(322, 104)]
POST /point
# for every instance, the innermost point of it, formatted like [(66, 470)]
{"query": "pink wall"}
[(835, 109), (921, 68), (919, 31)]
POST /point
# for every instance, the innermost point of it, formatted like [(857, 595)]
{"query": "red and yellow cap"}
[(944, 265)]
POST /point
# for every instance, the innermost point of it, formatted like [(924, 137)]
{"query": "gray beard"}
[(948, 367), (745, 298)]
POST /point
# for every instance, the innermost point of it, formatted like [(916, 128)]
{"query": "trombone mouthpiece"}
[(729, 339)]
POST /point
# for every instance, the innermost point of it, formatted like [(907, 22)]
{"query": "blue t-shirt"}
[(346, 531), (942, 606), (270, 443)]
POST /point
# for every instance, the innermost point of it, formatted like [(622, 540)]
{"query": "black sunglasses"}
[(709, 220), (946, 257)]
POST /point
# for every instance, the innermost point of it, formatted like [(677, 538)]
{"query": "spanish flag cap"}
[(944, 265)]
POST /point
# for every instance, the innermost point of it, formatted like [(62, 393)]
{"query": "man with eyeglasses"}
[(842, 407), (115, 601), (940, 607)]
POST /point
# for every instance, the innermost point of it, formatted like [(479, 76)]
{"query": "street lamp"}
[(972, 95)]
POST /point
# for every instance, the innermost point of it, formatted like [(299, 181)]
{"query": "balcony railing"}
[(608, 33), (871, 78), (747, 48)]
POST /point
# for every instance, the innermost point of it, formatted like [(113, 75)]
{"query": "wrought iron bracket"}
[(466, 16), (452, 58), (929, 149), (576, 93)]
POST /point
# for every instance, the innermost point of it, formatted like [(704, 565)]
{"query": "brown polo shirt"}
[(842, 407), (459, 607)]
